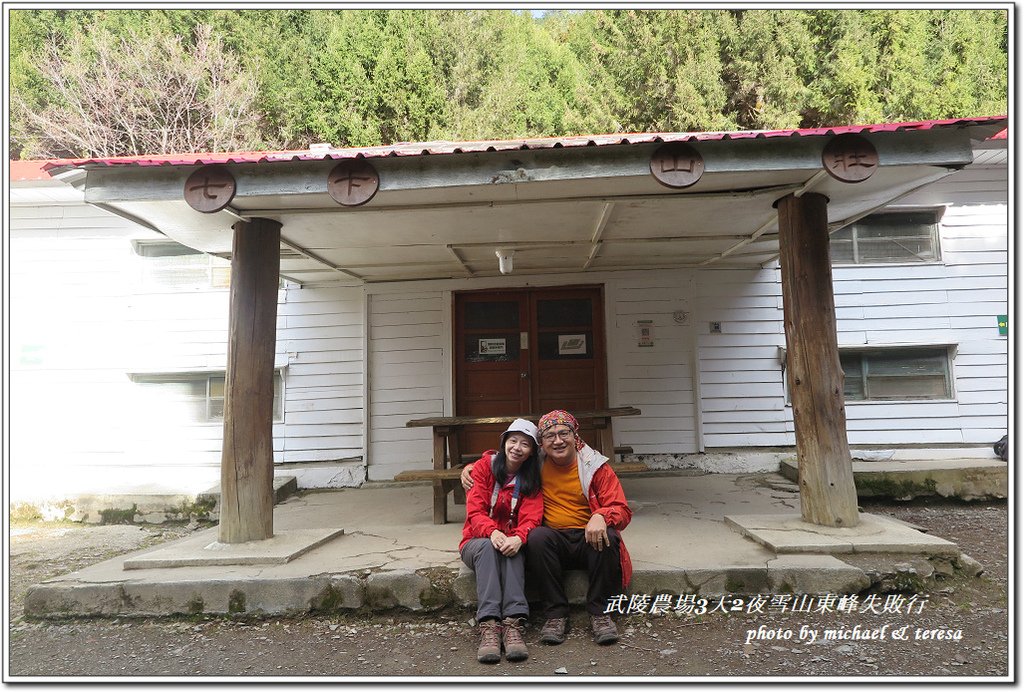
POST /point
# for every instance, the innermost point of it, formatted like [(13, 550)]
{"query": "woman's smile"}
[(517, 449)]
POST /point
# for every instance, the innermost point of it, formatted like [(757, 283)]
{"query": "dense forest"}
[(123, 82)]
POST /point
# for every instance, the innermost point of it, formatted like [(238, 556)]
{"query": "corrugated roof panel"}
[(446, 148)]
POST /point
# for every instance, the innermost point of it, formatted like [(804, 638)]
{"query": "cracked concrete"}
[(707, 534)]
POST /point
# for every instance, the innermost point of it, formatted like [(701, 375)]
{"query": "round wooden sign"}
[(353, 182), (850, 158), (210, 189), (677, 165)]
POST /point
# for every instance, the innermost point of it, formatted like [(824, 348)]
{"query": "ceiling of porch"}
[(571, 209)]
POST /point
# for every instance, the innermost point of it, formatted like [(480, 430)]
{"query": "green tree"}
[(845, 74), (287, 78), (508, 75), (666, 66), (770, 52), (970, 64)]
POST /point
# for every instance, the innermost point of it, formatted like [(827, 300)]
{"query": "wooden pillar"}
[(247, 458), (828, 496)]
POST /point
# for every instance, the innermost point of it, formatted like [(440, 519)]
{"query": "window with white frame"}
[(893, 236), (193, 397), (171, 265), (896, 373)]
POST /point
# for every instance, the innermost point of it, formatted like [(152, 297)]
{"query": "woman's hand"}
[(498, 540), (466, 478), (512, 546), (596, 533)]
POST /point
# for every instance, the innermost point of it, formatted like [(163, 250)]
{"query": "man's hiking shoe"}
[(605, 631), (512, 639), (490, 642), (554, 631)]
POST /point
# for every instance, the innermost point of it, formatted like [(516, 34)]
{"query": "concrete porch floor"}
[(375, 548)]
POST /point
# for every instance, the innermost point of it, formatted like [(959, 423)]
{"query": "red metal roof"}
[(442, 148), (28, 170)]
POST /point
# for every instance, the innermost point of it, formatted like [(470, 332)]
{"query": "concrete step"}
[(905, 479), (284, 487)]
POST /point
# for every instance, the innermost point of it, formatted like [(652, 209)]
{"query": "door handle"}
[(524, 375)]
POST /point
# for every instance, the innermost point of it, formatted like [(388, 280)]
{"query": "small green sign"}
[(1003, 324)]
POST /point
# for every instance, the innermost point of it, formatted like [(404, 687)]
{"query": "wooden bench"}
[(447, 456)]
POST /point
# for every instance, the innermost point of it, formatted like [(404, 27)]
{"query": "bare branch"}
[(148, 94)]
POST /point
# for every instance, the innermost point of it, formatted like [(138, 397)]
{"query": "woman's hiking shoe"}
[(512, 639), (605, 631), (553, 631), (490, 642)]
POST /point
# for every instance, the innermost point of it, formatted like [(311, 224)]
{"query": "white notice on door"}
[(572, 344), (491, 347)]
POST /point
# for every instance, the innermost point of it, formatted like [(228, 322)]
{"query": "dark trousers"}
[(549, 552), (500, 580)]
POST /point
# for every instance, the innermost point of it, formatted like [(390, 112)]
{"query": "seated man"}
[(584, 511)]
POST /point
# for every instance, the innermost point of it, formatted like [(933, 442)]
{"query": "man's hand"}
[(596, 533), (466, 478), (498, 540), (512, 546)]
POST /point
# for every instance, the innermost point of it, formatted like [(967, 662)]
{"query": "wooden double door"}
[(527, 351)]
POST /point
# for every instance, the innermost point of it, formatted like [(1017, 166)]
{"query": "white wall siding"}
[(952, 302), (408, 348), (657, 379), (320, 335), (742, 390), (77, 330), (79, 337)]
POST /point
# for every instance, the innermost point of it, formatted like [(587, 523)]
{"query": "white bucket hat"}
[(521, 425)]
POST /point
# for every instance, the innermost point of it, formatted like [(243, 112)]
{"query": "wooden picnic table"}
[(447, 456)]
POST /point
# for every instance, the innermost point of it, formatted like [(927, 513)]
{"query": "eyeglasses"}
[(561, 435)]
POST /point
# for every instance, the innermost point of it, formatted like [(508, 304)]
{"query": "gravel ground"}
[(444, 644)]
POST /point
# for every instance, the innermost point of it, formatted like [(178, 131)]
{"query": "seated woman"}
[(502, 508)]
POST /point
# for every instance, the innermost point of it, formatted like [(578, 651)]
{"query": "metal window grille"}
[(896, 374), (891, 237)]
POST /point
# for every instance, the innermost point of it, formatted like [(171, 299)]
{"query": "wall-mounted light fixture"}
[(505, 260)]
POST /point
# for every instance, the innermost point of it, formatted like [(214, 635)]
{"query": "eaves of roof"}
[(447, 148)]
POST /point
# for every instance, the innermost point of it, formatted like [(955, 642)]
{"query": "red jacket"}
[(479, 523), (607, 498)]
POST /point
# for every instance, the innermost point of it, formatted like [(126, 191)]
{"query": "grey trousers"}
[(500, 580)]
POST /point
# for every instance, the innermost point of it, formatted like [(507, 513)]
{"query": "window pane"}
[(906, 363), (841, 251), (896, 249), (220, 272), (894, 237), (907, 387), (896, 374), (492, 315), (278, 396), (216, 409), (179, 271), (161, 248), (877, 225), (564, 313), (195, 398), (174, 400), (853, 384)]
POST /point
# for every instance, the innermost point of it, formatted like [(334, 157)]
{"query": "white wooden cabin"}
[(119, 334)]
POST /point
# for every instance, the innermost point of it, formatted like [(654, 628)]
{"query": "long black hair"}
[(529, 472)]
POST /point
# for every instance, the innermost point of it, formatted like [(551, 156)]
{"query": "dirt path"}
[(442, 644)]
